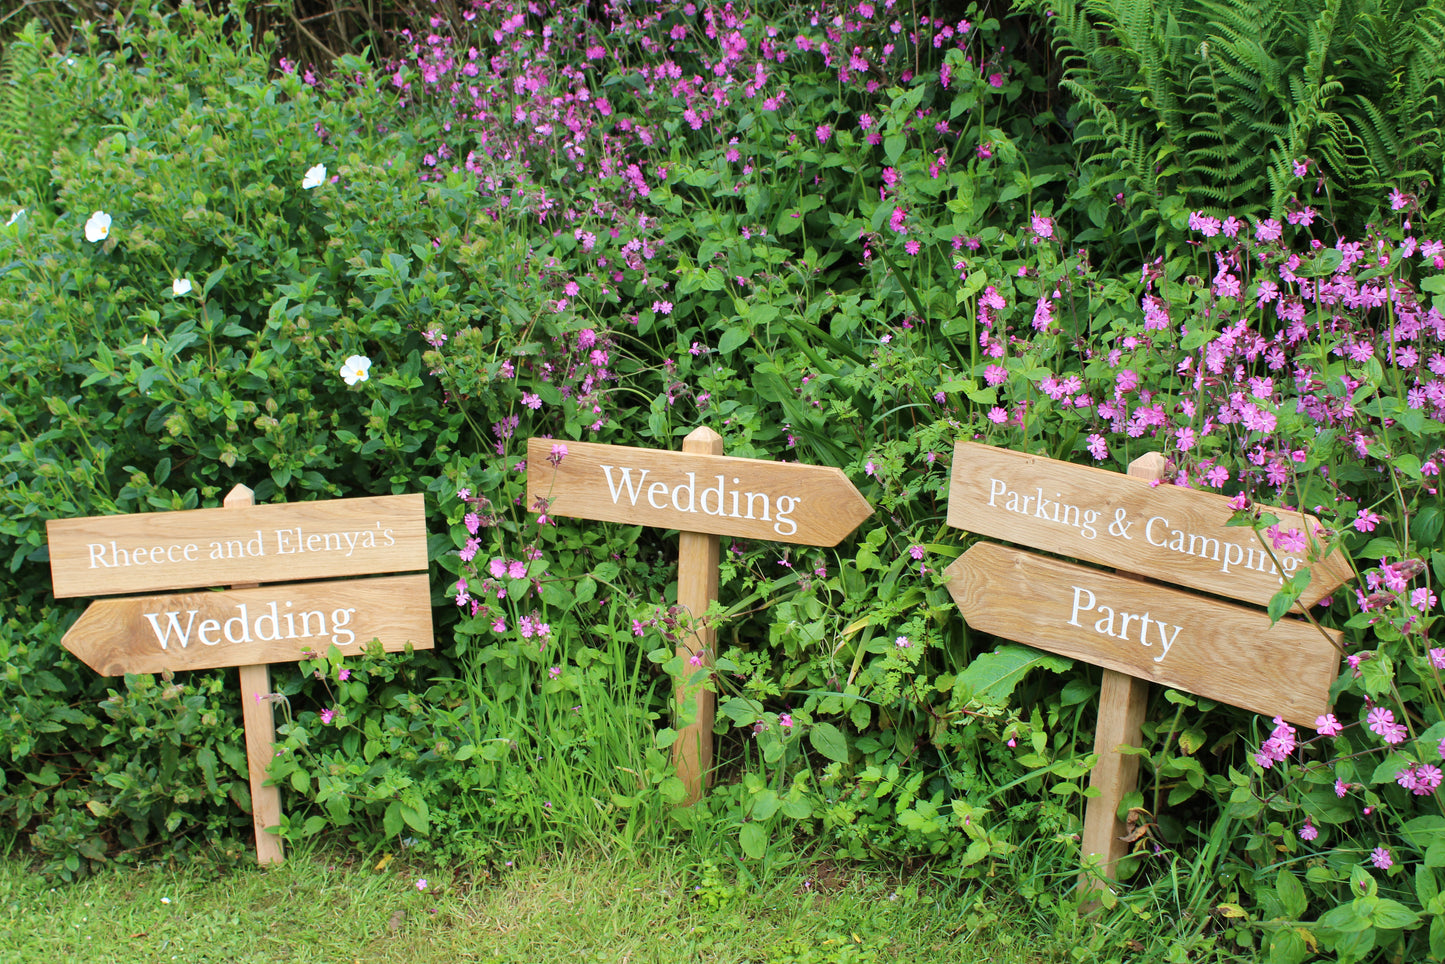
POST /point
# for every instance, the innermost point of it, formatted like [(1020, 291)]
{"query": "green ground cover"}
[(339, 909), (848, 234)]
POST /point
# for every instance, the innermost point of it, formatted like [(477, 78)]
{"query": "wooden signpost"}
[(248, 625), (1137, 630), (702, 494)]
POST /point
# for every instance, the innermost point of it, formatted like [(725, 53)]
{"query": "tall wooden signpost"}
[(702, 494), (248, 625), (1124, 621)]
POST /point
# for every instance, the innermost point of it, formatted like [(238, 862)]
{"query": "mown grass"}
[(322, 907)]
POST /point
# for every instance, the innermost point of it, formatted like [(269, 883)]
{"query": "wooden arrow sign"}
[(808, 505), (1168, 532), (104, 555), (238, 627), (1225, 652)]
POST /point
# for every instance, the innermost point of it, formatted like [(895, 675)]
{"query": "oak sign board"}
[(1165, 532), (248, 625), (702, 494), (155, 551), (809, 505), (268, 624), (1192, 643)]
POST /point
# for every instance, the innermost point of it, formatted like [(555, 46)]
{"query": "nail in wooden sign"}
[(1164, 531), (1215, 649), (156, 551), (809, 505)]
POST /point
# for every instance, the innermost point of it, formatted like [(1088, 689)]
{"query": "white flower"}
[(356, 369), (97, 229), (314, 177), (181, 287), (14, 217)]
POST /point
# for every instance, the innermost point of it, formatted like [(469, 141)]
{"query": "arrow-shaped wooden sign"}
[(1216, 649), (811, 505), (238, 627), (703, 494), (1165, 531)]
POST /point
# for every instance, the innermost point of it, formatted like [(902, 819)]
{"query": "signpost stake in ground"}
[(702, 494), (262, 618), (1123, 700), (260, 720), (1129, 622), (697, 585)]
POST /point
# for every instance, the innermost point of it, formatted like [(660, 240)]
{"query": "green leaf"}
[(1391, 915), (829, 741), (731, 339), (754, 838), (990, 679), (742, 711), (1346, 918), (1287, 947), (1291, 894), (416, 816), (765, 805), (797, 808)]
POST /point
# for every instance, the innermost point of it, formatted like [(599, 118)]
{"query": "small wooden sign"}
[(1215, 649), (246, 626), (703, 494), (1167, 532), (157, 551), (809, 505), (271, 624)]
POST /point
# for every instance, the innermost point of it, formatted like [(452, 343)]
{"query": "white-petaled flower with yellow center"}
[(97, 229), (357, 368), (314, 177), (181, 287)]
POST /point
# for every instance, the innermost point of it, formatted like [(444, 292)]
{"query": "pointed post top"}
[(239, 497), (703, 441), (1150, 465)]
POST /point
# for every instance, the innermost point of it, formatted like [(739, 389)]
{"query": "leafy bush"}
[(1260, 109), (838, 236)]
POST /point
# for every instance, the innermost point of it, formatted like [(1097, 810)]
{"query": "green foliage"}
[(1196, 105), (853, 271)]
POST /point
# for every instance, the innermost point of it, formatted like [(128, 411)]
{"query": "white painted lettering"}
[(173, 625), (1167, 642), (1079, 595), (244, 635), (626, 481)]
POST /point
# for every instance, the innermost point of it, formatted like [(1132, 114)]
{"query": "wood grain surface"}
[(1165, 532), (692, 492), (157, 551), (1199, 645), (268, 624)]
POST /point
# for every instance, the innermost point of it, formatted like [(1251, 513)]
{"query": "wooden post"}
[(1122, 702), (258, 714), (697, 587)]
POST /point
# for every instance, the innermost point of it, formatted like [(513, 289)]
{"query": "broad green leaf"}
[(829, 741), (990, 679), (754, 838)]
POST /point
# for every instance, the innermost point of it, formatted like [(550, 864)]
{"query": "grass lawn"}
[(321, 907)]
